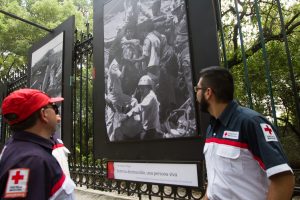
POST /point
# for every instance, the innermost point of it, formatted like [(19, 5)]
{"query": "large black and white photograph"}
[(148, 73), (46, 67)]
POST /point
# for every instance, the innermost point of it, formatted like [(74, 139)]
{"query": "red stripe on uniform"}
[(58, 184), (57, 146), (227, 142), (260, 162)]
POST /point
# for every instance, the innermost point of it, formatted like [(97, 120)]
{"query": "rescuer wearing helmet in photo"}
[(148, 109)]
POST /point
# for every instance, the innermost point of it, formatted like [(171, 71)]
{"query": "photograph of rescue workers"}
[(148, 72), (46, 69)]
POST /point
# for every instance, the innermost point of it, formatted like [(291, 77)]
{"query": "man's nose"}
[(58, 118)]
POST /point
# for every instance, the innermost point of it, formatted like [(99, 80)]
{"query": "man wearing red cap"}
[(27, 168)]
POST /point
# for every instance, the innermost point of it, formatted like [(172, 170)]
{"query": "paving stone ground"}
[(87, 194)]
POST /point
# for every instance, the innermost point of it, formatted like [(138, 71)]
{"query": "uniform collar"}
[(30, 137), (228, 112)]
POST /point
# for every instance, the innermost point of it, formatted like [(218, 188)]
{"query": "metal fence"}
[(266, 79)]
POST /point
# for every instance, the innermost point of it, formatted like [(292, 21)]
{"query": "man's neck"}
[(40, 131), (217, 109)]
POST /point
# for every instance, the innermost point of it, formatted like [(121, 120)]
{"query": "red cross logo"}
[(17, 177), (268, 129)]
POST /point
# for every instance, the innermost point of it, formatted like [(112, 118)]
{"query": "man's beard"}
[(203, 104)]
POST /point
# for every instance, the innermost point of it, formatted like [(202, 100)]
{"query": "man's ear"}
[(43, 115), (208, 93)]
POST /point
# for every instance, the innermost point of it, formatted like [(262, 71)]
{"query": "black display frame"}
[(202, 28), (68, 30)]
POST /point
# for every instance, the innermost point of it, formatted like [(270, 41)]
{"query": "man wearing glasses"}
[(27, 168), (243, 156)]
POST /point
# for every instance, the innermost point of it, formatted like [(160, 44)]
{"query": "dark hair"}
[(146, 26), (220, 80), (130, 26), (27, 123)]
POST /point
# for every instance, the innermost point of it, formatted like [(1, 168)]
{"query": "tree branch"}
[(293, 128), (268, 37), (292, 20)]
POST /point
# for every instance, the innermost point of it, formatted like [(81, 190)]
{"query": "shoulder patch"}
[(17, 183), (268, 132), (231, 134)]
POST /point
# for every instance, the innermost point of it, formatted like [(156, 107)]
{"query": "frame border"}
[(203, 41), (68, 27)]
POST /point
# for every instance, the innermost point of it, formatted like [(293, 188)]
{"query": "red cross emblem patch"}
[(17, 183), (268, 132)]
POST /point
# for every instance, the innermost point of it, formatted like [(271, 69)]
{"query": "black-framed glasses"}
[(196, 88), (54, 107)]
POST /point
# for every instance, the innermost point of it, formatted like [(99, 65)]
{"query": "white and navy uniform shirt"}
[(241, 152), (61, 153), (29, 171)]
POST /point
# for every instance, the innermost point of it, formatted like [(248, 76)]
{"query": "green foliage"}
[(291, 147), (83, 113), (17, 37), (274, 69)]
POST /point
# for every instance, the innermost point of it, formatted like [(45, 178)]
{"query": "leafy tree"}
[(17, 37), (277, 60)]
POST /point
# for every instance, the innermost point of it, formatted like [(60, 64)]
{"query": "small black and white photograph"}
[(46, 67), (148, 73)]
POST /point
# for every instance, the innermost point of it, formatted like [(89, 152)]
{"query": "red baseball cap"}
[(25, 102)]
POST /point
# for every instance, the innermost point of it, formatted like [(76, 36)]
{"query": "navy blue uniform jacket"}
[(29, 153)]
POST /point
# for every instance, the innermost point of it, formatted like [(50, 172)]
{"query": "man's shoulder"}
[(248, 116), (244, 112), (22, 149), (14, 157)]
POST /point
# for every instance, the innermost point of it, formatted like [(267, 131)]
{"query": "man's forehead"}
[(200, 82)]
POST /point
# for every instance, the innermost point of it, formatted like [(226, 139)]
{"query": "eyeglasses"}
[(54, 107), (196, 88)]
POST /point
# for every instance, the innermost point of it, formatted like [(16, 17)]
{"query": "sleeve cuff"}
[(278, 169)]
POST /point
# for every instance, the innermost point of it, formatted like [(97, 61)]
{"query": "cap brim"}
[(56, 99)]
